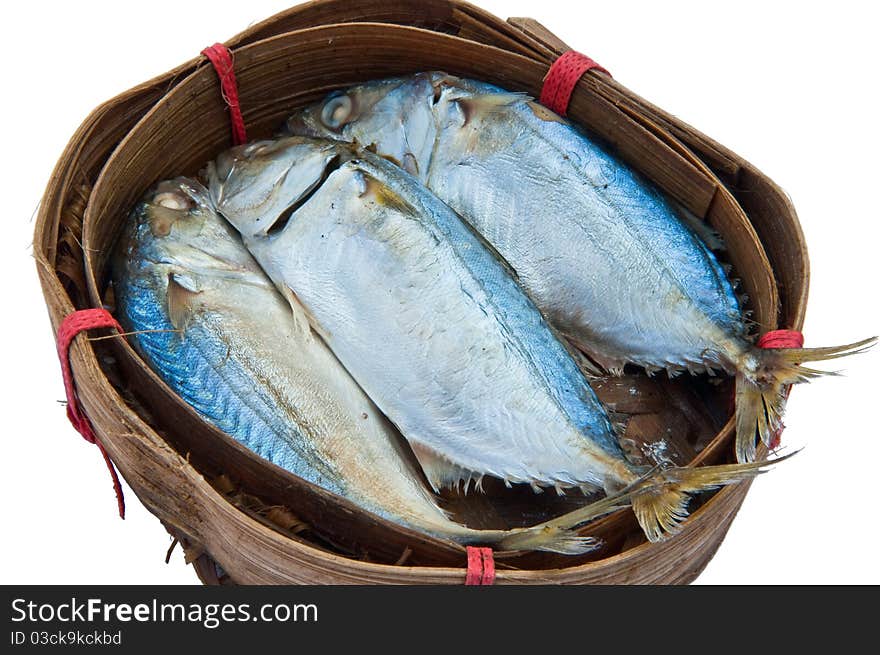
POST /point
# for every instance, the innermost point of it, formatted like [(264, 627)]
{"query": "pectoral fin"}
[(545, 114), (487, 103), (303, 319), (181, 300)]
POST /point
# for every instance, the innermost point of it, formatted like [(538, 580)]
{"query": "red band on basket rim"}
[(562, 77), (781, 339), (480, 566), (488, 566), (72, 325), (221, 58)]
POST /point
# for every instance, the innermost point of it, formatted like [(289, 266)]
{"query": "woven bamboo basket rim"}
[(726, 501)]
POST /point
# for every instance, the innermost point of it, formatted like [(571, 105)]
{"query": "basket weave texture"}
[(258, 523)]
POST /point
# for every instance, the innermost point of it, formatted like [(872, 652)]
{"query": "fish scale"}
[(542, 245), (572, 208)]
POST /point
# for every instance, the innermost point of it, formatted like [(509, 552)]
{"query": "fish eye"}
[(255, 149), (173, 200), (337, 112)]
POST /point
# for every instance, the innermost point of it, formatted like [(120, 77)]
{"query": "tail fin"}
[(660, 499), (558, 535), (761, 393), (553, 540)]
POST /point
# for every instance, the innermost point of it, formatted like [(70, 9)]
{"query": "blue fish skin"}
[(197, 365), (601, 252), (210, 323), (647, 214)]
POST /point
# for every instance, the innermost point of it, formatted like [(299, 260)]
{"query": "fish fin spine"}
[(443, 473)]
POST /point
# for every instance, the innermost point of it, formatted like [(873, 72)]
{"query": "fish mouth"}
[(258, 188), (224, 169)]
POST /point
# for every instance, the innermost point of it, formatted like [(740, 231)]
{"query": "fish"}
[(434, 327), (208, 321), (615, 266)]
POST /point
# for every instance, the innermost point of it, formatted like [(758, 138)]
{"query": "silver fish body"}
[(428, 321), (213, 326), (601, 252), (422, 314)]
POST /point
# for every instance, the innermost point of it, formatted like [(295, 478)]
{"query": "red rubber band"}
[(71, 326), (562, 77), (488, 566), (474, 566), (481, 566), (781, 339), (221, 58)]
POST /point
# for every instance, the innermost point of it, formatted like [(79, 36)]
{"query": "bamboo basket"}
[(242, 520)]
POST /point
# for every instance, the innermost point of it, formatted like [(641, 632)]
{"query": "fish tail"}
[(553, 540), (559, 535), (660, 498), (761, 389)]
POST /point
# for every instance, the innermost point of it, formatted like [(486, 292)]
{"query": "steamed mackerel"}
[(212, 325), (599, 249), (432, 325)]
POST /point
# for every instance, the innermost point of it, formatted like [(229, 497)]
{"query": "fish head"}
[(393, 118), (257, 187), (177, 233)]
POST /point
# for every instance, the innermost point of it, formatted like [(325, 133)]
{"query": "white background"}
[(791, 87)]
